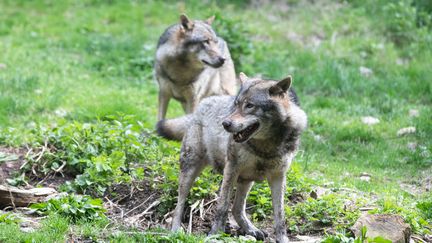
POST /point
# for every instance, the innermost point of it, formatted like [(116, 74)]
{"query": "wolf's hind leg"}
[(239, 211), (187, 178), (191, 164)]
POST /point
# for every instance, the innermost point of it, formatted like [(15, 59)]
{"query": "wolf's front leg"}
[(277, 185), (190, 105), (164, 98), (229, 178), (239, 211)]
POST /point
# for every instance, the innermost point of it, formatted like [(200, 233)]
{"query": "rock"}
[(414, 113), (23, 197), (391, 227), (365, 177), (412, 146), (318, 192), (307, 239), (406, 130), (365, 72), (247, 238), (369, 120), (3, 66)]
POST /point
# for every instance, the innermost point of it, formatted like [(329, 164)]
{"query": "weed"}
[(9, 218), (317, 214), (238, 37), (425, 207), (72, 206)]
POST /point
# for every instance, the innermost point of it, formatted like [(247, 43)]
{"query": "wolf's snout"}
[(227, 124), (221, 60)]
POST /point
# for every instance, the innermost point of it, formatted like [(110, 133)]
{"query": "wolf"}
[(250, 137), (192, 63)]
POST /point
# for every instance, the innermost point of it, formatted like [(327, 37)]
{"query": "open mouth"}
[(246, 133), (214, 65)]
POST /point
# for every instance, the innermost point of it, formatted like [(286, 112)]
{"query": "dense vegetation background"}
[(78, 99)]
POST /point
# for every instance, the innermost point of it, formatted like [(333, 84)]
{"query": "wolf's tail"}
[(173, 129)]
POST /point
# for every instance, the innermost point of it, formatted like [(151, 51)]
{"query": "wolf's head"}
[(199, 41), (261, 108)]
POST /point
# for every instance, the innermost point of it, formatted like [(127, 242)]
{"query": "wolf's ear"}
[(243, 77), (281, 87), (210, 20), (185, 22)]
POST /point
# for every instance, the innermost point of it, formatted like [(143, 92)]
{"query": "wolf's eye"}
[(207, 41), (249, 105)]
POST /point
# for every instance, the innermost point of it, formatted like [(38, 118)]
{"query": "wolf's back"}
[(173, 129)]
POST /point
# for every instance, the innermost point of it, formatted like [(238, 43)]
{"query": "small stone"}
[(406, 131), (317, 138), (60, 112), (365, 72), (370, 120), (412, 146), (3, 66), (318, 192), (390, 227), (401, 62), (27, 229), (247, 238), (414, 113), (308, 239), (365, 177)]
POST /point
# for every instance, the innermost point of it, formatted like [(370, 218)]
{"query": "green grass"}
[(67, 61)]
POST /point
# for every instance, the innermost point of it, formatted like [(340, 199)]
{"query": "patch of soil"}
[(420, 185)]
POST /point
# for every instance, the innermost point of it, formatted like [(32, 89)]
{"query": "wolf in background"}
[(192, 63), (250, 137)]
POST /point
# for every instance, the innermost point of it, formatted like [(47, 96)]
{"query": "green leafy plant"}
[(99, 154), (400, 21), (73, 206), (9, 218), (316, 214), (425, 208), (236, 35)]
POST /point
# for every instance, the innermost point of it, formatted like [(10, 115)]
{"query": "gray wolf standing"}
[(250, 137), (192, 63)]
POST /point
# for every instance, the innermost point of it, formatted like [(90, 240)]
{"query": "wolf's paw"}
[(176, 226), (258, 234), (282, 239), (218, 228)]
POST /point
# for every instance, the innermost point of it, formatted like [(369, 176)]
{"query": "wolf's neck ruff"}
[(276, 148)]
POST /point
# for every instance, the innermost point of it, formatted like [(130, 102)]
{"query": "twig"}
[(115, 205), (44, 179), (12, 199), (417, 238), (140, 204), (29, 150), (211, 201), (146, 211), (193, 207), (60, 168)]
